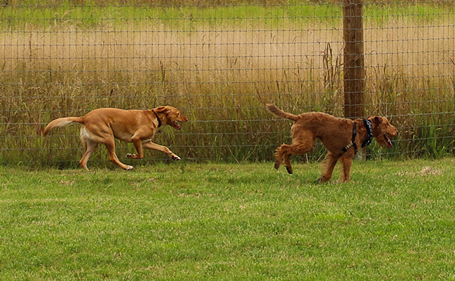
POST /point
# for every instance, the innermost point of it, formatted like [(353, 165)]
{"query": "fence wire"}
[(219, 65)]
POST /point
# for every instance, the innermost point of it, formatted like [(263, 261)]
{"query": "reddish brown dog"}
[(137, 126), (337, 135)]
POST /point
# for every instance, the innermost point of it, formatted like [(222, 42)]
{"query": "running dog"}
[(137, 126), (340, 136)]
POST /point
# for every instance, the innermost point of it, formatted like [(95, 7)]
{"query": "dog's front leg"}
[(138, 145), (331, 161), (346, 162), (154, 146)]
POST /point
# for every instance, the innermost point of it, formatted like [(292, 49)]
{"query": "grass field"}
[(394, 221), (219, 65)]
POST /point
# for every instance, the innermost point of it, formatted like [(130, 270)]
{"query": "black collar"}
[(367, 141), (369, 128), (159, 120)]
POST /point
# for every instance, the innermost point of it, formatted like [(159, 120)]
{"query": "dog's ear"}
[(377, 120), (163, 109)]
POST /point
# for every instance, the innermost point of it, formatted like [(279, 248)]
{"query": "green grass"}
[(98, 15), (187, 17), (185, 221)]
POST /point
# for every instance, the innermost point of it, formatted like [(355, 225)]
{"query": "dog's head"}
[(383, 130), (170, 116)]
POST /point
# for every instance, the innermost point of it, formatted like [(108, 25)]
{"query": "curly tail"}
[(60, 122), (275, 110)]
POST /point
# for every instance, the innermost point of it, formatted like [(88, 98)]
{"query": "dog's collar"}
[(159, 120), (352, 143), (369, 128)]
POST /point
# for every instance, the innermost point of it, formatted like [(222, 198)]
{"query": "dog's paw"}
[(289, 169), (129, 155), (176, 158), (321, 180), (128, 168)]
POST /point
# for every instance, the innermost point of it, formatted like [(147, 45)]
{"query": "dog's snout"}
[(394, 131)]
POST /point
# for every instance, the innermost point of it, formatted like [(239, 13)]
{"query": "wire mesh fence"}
[(219, 64)]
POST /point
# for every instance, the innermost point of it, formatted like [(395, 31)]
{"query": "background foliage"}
[(219, 64)]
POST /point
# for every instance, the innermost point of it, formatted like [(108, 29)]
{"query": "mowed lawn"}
[(186, 221)]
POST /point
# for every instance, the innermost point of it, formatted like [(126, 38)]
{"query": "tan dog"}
[(137, 126), (341, 137)]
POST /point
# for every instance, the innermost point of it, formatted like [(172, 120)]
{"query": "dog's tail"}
[(60, 122), (278, 112)]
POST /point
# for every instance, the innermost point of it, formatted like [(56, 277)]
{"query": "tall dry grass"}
[(220, 78)]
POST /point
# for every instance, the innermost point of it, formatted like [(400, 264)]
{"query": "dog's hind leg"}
[(287, 158), (330, 161), (279, 155), (284, 153), (89, 145)]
